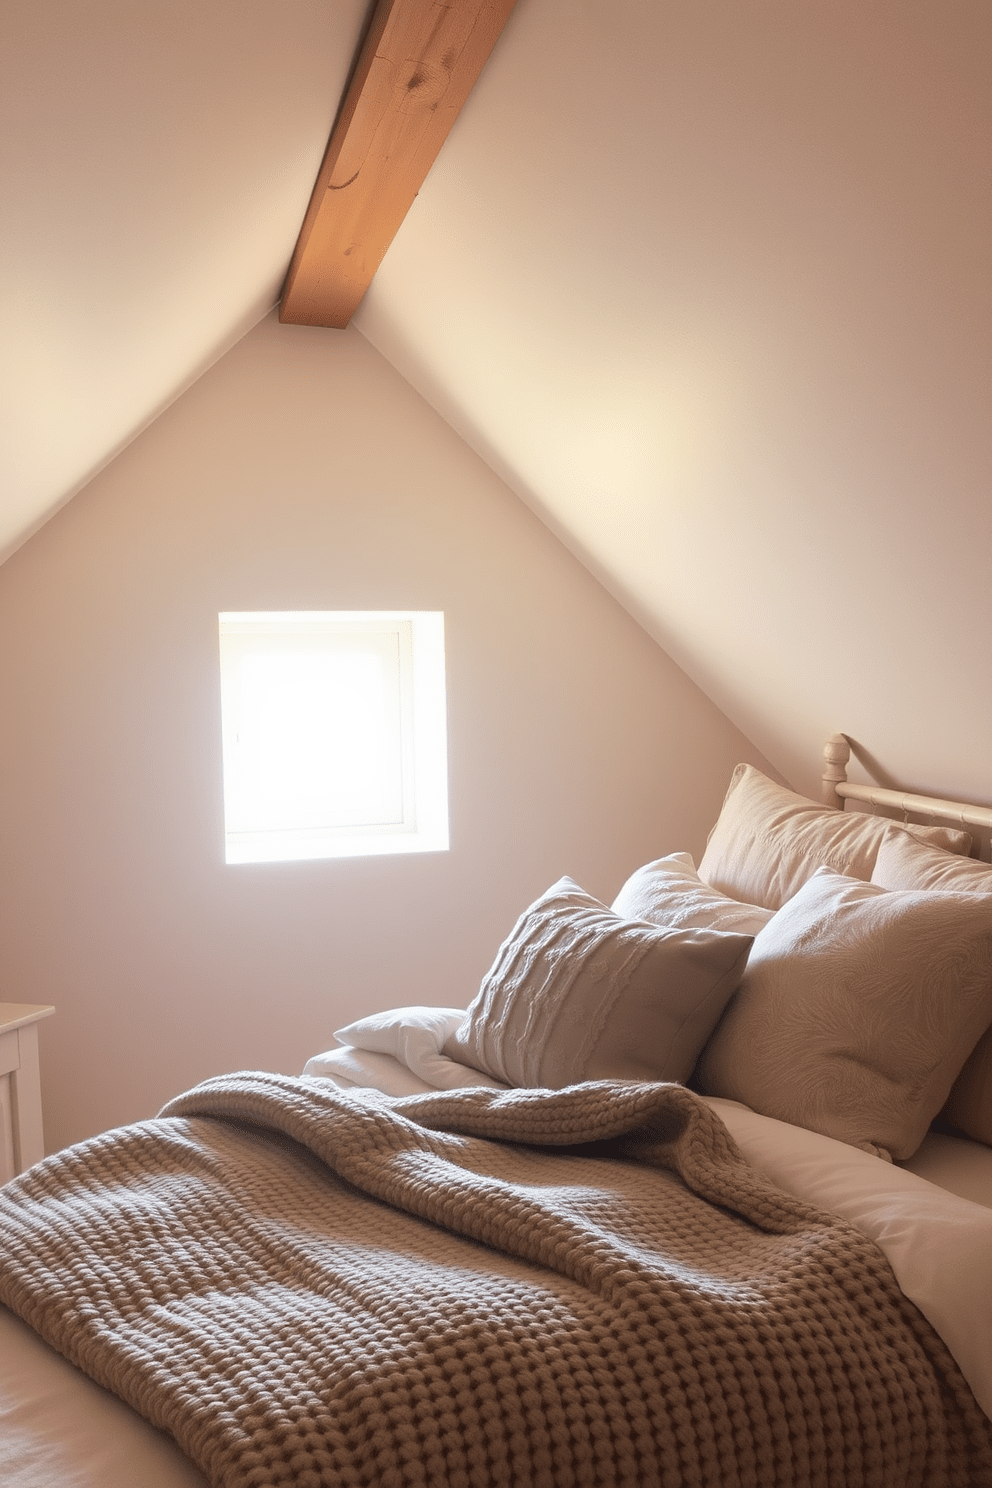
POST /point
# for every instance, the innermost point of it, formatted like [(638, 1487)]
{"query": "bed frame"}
[(837, 789)]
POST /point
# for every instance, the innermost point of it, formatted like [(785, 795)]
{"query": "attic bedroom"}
[(671, 392)]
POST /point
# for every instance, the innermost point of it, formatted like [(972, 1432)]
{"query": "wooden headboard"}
[(837, 789)]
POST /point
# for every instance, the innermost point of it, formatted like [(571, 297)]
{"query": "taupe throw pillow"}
[(669, 891), (856, 1012), (577, 993), (904, 864), (768, 841), (969, 1105)]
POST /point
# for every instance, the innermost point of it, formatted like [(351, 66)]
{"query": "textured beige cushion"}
[(768, 841), (670, 892), (904, 864), (577, 993), (857, 1011)]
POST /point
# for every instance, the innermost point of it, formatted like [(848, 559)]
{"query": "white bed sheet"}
[(956, 1164)]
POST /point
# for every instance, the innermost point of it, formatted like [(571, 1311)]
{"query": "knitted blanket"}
[(531, 1289)]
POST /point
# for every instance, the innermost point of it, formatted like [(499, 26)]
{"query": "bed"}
[(697, 1190)]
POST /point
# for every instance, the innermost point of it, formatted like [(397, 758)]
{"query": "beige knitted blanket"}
[(478, 1288)]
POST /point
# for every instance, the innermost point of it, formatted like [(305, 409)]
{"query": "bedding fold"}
[(479, 1287)]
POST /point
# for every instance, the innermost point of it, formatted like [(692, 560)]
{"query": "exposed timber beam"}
[(416, 68)]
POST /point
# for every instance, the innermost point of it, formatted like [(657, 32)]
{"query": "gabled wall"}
[(302, 472)]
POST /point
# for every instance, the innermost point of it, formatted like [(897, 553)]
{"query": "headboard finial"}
[(836, 753)]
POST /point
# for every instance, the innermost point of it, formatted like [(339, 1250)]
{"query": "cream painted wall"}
[(302, 472), (710, 285)]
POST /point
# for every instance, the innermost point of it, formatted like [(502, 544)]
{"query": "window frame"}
[(423, 826)]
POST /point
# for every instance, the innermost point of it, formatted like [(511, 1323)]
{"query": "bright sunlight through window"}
[(334, 734)]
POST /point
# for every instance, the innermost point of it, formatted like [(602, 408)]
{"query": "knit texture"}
[(578, 993), (479, 1288)]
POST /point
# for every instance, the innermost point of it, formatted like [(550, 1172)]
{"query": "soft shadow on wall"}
[(302, 472)]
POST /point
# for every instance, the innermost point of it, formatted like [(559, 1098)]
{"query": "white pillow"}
[(856, 1012), (415, 1036), (577, 993), (768, 841), (361, 1070), (669, 891)]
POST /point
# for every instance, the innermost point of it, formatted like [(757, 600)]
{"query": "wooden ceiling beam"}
[(415, 69)]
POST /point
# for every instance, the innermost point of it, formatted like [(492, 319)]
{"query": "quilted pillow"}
[(670, 892), (857, 1011), (577, 993), (903, 864), (768, 841)]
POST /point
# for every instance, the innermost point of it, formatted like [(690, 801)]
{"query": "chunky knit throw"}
[(479, 1288)]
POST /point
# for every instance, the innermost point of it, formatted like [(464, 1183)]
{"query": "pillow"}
[(969, 1106), (856, 1012), (903, 864), (768, 841), (414, 1036), (577, 993), (360, 1069), (670, 892)]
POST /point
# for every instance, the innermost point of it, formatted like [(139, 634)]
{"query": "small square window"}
[(334, 734)]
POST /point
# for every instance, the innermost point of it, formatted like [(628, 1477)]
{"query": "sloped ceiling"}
[(707, 281), (156, 160)]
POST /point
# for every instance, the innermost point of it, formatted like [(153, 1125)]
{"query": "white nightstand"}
[(21, 1142)]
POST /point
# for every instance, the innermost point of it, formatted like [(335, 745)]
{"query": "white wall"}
[(301, 472), (711, 284)]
